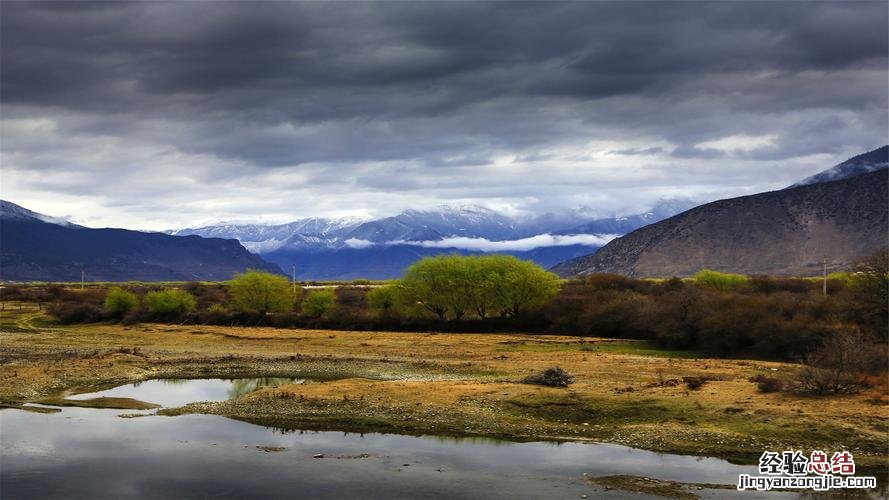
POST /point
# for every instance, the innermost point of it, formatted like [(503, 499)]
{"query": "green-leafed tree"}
[(519, 285), (723, 282), (383, 300), (427, 283), (259, 292), (454, 285), (319, 303), (170, 302), (118, 302), (484, 295)]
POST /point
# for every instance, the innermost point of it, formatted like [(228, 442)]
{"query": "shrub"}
[(217, 309), (551, 377), (118, 302), (383, 300), (318, 303), (694, 383), (206, 294), (767, 384), (170, 302), (74, 312), (723, 282), (769, 284), (259, 292), (836, 367), (870, 291)]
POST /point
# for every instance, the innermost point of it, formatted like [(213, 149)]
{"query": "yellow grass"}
[(449, 384)]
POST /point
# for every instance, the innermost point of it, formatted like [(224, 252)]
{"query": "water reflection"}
[(243, 386), (61, 455), (88, 453), (178, 392)]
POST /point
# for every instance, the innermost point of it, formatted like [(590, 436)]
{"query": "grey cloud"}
[(431, 100)]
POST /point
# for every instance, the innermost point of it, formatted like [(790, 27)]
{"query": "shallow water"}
[(92, 453), (178, 392)]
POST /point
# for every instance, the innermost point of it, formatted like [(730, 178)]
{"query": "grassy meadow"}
[(625, 391)]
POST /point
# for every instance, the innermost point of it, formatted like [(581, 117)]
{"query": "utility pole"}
[(824, 283), (81, 279), (293, 277)]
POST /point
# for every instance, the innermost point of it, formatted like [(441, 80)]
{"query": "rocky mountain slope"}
[(34, 247), (787, 232)]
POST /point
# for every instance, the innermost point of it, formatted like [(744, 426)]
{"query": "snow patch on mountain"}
[(858, 165), (11, 211)]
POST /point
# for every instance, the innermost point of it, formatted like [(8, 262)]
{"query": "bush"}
[(74, 312), (551, 377), (118, 302), (383, 300), (318, 303), (170, 303), (767, 384), (769, 284), (262, 293), (694, 383), (870, 291), (723, 282), (837, 366), (217, 309)]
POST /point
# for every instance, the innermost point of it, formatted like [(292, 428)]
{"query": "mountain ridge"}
[(857, 165), (382, 248), (32, 249), (785, 232)]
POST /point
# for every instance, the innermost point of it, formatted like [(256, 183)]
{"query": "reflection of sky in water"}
[(178, 392), (94, 454)]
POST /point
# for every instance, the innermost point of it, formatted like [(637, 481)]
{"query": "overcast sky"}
[(163, 115)]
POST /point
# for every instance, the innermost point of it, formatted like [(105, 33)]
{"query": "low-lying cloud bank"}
[(523, 244)]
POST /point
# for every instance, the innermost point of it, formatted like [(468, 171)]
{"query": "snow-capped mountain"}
[(262, 238), (382, 248), (470, 221), (861, 164), (11, 211), (622, 225)]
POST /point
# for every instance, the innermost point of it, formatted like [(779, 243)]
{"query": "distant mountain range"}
[(837, 217), (35, 247), (382, 248)]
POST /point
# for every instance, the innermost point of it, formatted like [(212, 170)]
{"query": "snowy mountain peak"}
[(861, 164), (11, 211)]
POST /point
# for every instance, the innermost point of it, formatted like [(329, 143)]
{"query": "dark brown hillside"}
[(34, 250), (787, 232)]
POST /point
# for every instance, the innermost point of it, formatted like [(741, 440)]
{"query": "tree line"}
[(713, 313)]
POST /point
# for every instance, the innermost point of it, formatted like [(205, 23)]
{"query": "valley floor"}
[(448, 384)]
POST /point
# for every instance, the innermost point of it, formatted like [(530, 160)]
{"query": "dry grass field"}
[(456, 384)]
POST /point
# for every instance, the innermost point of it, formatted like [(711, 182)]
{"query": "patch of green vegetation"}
[(635, 348)]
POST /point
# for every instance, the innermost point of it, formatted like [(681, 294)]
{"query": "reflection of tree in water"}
[(241, 386), (176, 381), (164, 381)]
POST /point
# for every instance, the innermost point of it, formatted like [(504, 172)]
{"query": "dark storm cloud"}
[(339, 92)]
